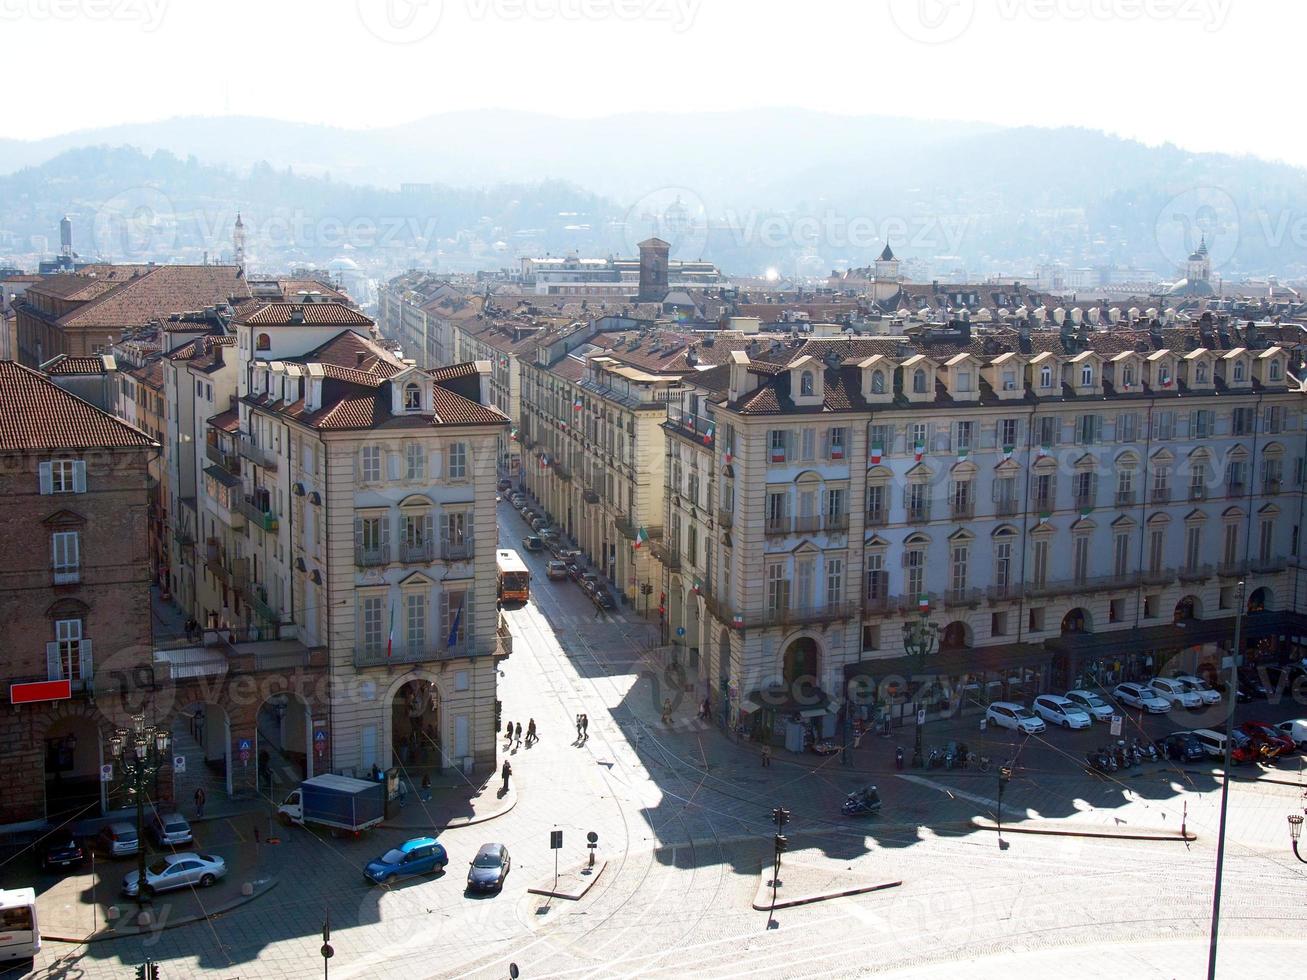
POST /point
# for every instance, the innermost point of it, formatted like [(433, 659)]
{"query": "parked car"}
[(539, 524), (1141, 696), (177, 871), (1057, 710), (1009, 714), (1213, 742), (118, 839), (1092, 704), (503, 485), (62, 850), (1197, 685), (1175, 692), (489, 868), (1272, 742), (532, 543), (1183, 747), (603, 598), (1251, 684), (1296, 730), (170, 829), (556, 570), (419, 856), (575, 570)]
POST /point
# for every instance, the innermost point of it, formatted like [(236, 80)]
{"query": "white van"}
[(20, 935)]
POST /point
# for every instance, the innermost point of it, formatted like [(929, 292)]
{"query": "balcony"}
[(83, 673), (669, 557), (257, 454), (1197, 493), (1085, 501), (1232, 569), (1236, 489), (698, 428), (837, 522), (1006, 507), (365, 557), (806, 525), (1160, 495), (1008, 592), (1157, 576), (778, 525), (625, 528), (562, 472), (184, 537), (256, 514), (1271, 486), (230, 462), (503, 639), (257, 596), (1043, 504), (962, 510), (725, 518), (1268, 566), (919, 514), (960, 598), (1082, 586), (403, 653), (67, 574), (1196, 573), (417, 552), (798, 615), (876, 518), (456, 550), (878, 605)]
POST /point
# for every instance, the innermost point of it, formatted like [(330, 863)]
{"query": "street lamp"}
[(1295, 832), (140, 751), (919, 639), (1004, 774)]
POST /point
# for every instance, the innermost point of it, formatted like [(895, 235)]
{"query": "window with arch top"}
[(919, 382), (1238, 370), (412, 397), (1086, 375), (878, 382), (1200, 373), (263, 342)]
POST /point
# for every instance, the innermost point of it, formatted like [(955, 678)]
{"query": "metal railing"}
[(1082, 585), (1043, 504), (954, 598), (1195, 573), (797, 615), (1005, 593), (231, 462), (669, 557), (1157, 576), (962, 510), (256, 596), (778, 525), (1006, 507), (1160, 495), (1271, 486), (456, 551), (806, 525), (625, 528), (402, 653), (876, 518), (919, 514), (369, 557), (877, 605), (1232, 569), (1268, 566), (1239, 489), (257, 454), (1085, 501), (1125, 498), (417, 551), (1197, 492), (253, 512)]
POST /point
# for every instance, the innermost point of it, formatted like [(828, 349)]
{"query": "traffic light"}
[(780, 816), (147, 971), (782, 843)]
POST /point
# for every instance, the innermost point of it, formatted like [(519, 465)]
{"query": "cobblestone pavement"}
[(682, 814)]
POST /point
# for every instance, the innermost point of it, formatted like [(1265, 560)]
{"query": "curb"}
[(786, 903), (984, 823), (456, 821), (572, 896), (112, 932)]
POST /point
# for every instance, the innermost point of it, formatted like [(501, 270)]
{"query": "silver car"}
[(177, 871), (170, 829), (118, 839)]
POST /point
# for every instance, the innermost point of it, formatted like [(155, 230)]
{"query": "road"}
[(682, 816)]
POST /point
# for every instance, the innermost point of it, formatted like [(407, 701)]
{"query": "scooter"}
[(864, 802), (1098, 761), (935, 759), (898, 758)]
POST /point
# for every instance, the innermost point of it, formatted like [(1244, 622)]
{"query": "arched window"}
[(878, 382), (263, 342), (1200, 373), (1086, 375), (1238, 370), (1127, 376), (919, 382), (805, 383), (412, 397), (1273, 372), (1164, 374), (1045, 377)]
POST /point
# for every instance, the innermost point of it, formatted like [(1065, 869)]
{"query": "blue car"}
[(419, 856)]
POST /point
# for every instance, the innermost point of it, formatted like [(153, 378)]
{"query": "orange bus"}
[(514, 576)]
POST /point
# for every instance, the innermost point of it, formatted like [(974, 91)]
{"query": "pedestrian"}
[(766, 756), (585, 726), (508, 731), (531, 731), (506, 771), (199, 803), (578, 728), (426, 788), (667, 711), (518, 732)]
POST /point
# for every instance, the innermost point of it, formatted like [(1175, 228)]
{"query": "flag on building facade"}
[(390, 634), (876, 453), (641, 536), (452, 639)]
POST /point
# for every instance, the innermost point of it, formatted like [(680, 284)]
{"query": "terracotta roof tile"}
[(306, 314), (37, 414), (164, 290), (70, 364), (228, 421)]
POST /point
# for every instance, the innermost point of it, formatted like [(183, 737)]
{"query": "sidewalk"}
[(455, 802)]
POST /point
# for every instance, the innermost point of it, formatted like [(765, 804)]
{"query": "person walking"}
[(518, 732), (578, 728), (199, 803), (667, 711), (766, 756), (426, 788), (506, 771), (508, 731), (585, 726), (531, 736)]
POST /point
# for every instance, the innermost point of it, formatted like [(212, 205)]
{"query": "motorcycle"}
[(1110, 757), (898, 758), (1098, 761), (935, 759), (981, 762), (952, 755), (862, 803)]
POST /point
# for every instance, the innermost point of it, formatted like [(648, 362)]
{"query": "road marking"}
[(949, 790)]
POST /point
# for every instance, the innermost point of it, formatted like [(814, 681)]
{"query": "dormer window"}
[(1273, 371), (964, 381), (806, 384), (878, 382), (1086, 376), (1127, 376), (412, 397), (1238, 370), (1200, 373), (1009, 381), (1164, 375), (1046, 376), (919, 382)]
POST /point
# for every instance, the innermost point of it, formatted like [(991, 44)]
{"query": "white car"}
[(1296, 730), (1009, 714), (177, 871), (1176, 692), (1200, 687), (1141, 696), (1057, 710), (1092, 705)]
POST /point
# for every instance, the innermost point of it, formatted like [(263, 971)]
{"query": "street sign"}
[(592, 838), (179, 763), (40, 691), (680, 631), (106, 773), (921, 716), (1116, 725), (320, 743), (555, 839), (244, 745)]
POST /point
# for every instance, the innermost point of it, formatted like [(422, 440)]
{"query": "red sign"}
[(40, 691)]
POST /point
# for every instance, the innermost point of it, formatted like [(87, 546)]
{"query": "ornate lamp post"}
[(1004, 774), (919, 641), (140, 752), (1295, 832)]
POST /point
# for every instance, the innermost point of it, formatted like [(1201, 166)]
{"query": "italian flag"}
[(737, 621), (923, 602), (641, 536), (1007, 451), (697, 587), (576, 405), (390, 636), (876, 453), (918, 451), (962, 453), (708, 435)]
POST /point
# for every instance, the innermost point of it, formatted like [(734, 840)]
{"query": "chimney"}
[(741, 381)]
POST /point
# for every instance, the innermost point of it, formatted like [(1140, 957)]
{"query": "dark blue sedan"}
[(419, 856)]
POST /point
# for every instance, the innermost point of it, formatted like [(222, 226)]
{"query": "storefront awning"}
[(1171, 636), (809, 702)]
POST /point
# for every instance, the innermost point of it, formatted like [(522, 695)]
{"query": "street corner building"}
[(74, 596)]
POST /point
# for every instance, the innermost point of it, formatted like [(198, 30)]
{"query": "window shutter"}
[(53, 670), (392, 466), (84, 667), (79, 476), (426, 529), (47, 481), (358, 532)]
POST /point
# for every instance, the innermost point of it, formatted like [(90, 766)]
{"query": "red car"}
[(1269, 740)]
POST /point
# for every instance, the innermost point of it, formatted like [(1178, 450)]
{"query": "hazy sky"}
[(1207, 74)]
